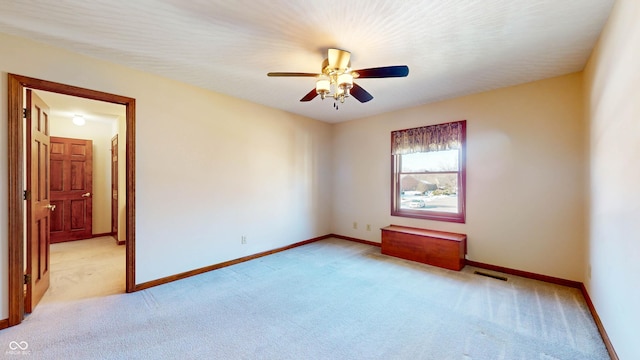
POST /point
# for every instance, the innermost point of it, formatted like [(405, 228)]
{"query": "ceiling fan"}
[(336, 78)]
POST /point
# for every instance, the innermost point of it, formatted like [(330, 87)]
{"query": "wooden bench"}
[(438, 248)]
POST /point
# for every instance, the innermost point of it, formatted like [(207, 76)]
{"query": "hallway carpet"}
[(86, 269)]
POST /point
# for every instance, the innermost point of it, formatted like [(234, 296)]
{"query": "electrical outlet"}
[(355, 225), (368, 227), (243, 239)]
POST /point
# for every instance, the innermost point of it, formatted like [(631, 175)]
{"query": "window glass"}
[(446, 160)]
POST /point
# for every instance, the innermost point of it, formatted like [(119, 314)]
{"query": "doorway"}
[(16, 86)]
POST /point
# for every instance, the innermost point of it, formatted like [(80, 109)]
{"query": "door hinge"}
[(27, 279), (24, 113), (26, 195)]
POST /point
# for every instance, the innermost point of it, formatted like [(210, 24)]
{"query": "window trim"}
[(460, 216)]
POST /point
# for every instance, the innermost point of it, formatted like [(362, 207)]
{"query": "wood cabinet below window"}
[(438, 248)]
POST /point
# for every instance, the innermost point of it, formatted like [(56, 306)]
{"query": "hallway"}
[(85, 269)]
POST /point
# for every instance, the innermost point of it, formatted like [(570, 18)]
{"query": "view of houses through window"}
[(429, 181)]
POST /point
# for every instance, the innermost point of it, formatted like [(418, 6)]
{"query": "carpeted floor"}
[(331, 299), (85, 269)]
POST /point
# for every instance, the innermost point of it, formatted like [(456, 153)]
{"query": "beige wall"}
[(210, 168), (100, 134), (525, 175), (612, 98)]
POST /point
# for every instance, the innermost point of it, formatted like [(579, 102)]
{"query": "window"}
[(429, 172)]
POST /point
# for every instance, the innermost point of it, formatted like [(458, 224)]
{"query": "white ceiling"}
[(452, 47), (65, 106)]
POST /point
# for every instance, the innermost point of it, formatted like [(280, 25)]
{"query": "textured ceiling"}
[(452, 47)]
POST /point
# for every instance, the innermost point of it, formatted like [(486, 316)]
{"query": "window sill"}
[(436, 216)]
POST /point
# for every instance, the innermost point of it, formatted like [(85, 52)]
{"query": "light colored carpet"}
[(331, 299), (85, 269)]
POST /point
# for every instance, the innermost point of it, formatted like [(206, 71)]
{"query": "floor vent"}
[(491, 275)]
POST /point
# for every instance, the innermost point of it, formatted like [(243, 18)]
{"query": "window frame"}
[(460, 216)]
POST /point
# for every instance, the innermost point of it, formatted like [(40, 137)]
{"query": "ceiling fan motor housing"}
[(328, 69)]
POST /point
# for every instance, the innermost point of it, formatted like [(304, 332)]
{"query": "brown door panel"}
[(39, 208), (71, 188)]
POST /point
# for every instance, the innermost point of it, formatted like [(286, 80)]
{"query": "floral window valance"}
[(428, 138)]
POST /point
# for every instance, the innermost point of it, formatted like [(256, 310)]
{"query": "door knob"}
[(86, 194), (51, 207)]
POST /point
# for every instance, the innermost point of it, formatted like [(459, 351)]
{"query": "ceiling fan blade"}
[(291, 74), (360, 94), (338, 59), (384, 72), (310, 96)]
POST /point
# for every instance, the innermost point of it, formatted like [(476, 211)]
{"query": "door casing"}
[(16, 85)]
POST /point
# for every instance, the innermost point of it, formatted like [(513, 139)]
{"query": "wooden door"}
[(114, 186), (39, 207), (71, 189)]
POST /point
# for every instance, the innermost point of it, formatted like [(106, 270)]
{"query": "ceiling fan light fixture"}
[(341, 93), (345, 81), (323, 86)]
